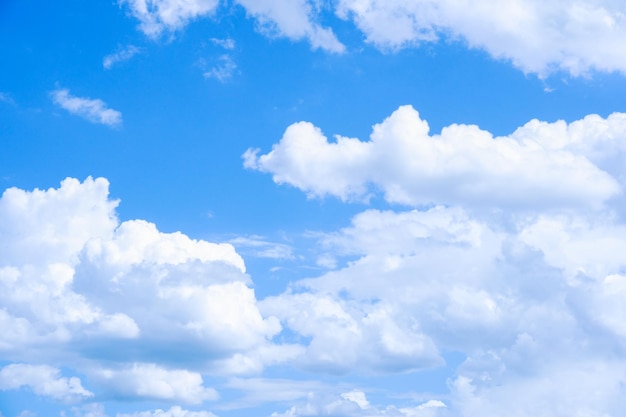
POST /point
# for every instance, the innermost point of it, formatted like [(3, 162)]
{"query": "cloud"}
[(530, 315), (150, 381), (263, 390), (156, 16), (6, 98), (539, 166), (258, 247), (43, 380), (293, 19), (122, 54), (348, 336), (355, 404), (81, 286), (175, 411), (227, 43), (224, 70), (538, 37), (508, 257), (94, 110)]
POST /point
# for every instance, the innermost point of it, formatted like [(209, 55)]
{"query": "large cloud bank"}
[(508, 251), (513, 254), (138, 312), (536, 36)]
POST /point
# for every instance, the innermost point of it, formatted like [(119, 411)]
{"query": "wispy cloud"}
[(262, 248), (6, 98), (94, 110), (224, 43), (122, 54), (224, 70)]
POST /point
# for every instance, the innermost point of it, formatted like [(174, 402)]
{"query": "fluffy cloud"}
[(539, 166), (349, 336), (514, 258), (156, 16), (149, 381), (74, 282), (536, 36), (293, 19), (43, 380), (533, 314), (94, 110)]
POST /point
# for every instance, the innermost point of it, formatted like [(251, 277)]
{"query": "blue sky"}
[(312, 208)]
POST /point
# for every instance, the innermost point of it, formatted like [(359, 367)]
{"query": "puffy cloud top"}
[(541, 165)]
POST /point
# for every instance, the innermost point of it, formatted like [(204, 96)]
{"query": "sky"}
[(290, 208)]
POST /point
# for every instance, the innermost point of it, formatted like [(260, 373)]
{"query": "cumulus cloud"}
[(529, 315), (43, 380), (122, 54), (156, 16), (527, 290), (75, 281), (150, 381), (539, 166), (94, 110), (352, 336), (536, 36), (293, 19)]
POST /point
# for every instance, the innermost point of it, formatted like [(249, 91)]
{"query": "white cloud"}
[(263, 390), (355, 404), (122, 54), (227, 43), (529, 293), (150, 381), (74, 281), (175, 411), (259, 247), (156, 16), (536, 36), (94, 110), (515, 302), (352, 336), (293, 19), (224, 70), (539, 166), (43, 380)]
